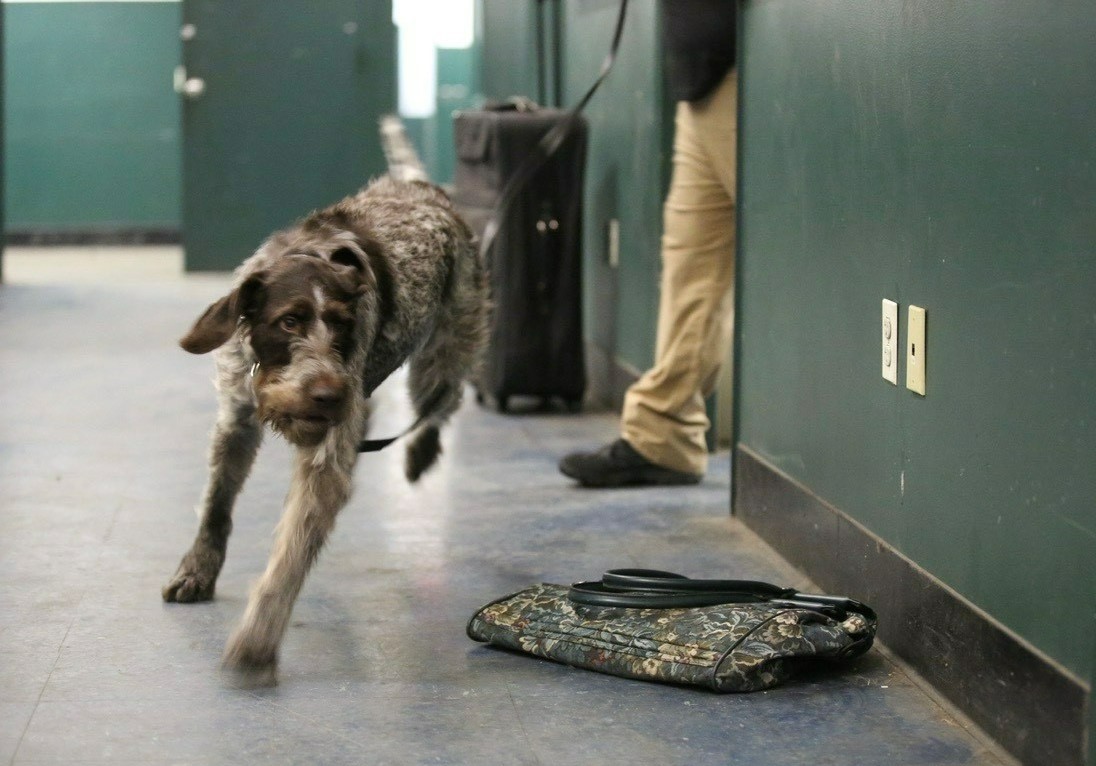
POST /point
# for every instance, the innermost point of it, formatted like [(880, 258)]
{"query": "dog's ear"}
[(362, 264), (217, 324), (370, 264), (346, 256)]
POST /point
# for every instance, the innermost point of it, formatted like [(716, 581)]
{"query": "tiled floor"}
[(102, 457)]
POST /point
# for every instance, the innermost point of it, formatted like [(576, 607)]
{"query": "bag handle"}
[(655, 589), (670, 582)]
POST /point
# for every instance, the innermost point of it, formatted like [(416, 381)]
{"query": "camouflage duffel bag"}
[(725, 635)]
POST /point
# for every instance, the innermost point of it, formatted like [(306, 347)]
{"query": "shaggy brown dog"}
[(318, 317)]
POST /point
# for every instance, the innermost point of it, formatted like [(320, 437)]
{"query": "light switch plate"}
[(916, 351), (890, 341)]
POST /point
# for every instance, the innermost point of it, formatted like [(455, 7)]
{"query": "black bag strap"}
[(549, 143), (655, 589)]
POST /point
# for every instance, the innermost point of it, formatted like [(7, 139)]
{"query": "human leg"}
[(664, 418)]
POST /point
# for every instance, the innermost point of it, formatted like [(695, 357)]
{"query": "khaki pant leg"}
[(664, 416)]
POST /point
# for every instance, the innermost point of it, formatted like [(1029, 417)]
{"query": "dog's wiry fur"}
[(327, 310)]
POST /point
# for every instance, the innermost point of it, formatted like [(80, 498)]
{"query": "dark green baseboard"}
[(1035, 709), (93, 236)]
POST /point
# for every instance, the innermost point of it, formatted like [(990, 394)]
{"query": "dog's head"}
[(300, 315)]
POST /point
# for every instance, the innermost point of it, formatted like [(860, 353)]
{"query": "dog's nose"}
[(327, 393)]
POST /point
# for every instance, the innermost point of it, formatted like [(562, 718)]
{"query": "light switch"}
[(916, 352)]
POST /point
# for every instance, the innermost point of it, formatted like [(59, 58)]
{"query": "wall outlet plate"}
[(916, 351), (890, 341)]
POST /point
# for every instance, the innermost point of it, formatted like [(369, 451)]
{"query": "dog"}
[(316, 319)]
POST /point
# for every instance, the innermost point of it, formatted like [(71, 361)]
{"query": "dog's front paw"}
[(248, 668), (196, 578)]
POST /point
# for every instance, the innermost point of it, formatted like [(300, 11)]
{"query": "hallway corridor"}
[(103, 435)]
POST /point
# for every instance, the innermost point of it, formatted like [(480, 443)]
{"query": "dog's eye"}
[(290, 323)]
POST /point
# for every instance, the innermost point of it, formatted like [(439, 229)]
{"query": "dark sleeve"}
[(699, 41)]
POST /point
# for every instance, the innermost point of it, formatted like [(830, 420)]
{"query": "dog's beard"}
[(299, 431), (288, 417)]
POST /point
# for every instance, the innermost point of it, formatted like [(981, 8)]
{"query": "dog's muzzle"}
[(305, 411)]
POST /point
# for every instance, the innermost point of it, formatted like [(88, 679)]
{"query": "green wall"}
[(92, 122), (942, 155), (288, 120), (506, 36), (628, 164), (3, 153), (457, 90)]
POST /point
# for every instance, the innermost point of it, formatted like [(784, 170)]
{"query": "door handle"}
[(187, 87)]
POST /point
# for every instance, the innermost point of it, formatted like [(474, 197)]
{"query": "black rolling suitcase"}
[(535, 260)]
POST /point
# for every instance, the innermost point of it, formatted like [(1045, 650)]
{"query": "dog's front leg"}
[(236, 439), (319, 490)]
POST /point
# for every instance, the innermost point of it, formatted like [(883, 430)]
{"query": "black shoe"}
[(617, 465)]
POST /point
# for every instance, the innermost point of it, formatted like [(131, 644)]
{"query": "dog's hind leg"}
[(451, 355), (319, 490), (437, 397), (236, 439), (436, 378)]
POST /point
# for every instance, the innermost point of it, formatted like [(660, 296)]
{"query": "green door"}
[(280, 109)]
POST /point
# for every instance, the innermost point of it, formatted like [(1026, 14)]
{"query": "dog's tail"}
[(403, 161)]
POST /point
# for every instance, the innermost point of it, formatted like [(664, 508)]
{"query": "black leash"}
[(654, 589), (547, 146), (375, 445)]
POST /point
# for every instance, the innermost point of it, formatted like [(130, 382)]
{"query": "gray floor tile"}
[(24, 671), (14, 717)]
